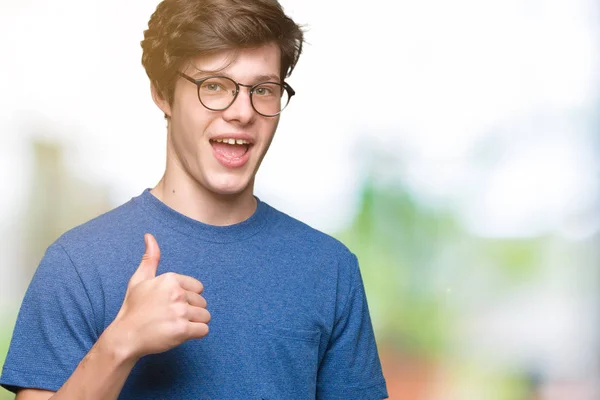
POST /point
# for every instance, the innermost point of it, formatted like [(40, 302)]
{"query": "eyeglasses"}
[(217, 93)]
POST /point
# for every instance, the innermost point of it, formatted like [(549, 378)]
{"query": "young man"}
[(288, 314)]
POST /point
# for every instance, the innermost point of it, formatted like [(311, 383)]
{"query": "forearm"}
[(102, 372)]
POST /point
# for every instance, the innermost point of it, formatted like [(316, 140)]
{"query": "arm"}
[(100, 375), (34, 394), (157, 314)]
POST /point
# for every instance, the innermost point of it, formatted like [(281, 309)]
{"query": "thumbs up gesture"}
[(159, 312)]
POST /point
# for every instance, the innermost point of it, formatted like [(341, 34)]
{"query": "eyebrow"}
[(258, 78), (262, 78)]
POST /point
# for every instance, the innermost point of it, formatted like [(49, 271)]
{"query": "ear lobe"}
[(160, 101)]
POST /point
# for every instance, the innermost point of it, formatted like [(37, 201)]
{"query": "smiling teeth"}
[(232, 141)]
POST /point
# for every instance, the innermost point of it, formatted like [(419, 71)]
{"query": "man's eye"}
[(213, 87), (263, 91)]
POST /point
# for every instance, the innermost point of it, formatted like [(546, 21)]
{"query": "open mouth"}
[(231, 149)]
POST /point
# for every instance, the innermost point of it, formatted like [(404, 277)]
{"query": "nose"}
[(241, 110)]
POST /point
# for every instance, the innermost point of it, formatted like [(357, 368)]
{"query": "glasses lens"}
[(217, 93), (270, 98)]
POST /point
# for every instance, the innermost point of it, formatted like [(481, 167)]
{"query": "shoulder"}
[(107, 230), (308, 239)]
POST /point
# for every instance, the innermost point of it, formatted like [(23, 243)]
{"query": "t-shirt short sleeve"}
[(350, 368), (55, 327)]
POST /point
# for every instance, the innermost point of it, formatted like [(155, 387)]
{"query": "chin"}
[(228, 188)]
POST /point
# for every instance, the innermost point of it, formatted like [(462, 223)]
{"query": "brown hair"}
[(181, 29)]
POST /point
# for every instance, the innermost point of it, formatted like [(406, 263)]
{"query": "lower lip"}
[(232, 162)]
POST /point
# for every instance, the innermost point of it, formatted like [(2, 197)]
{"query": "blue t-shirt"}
[(289, 314)]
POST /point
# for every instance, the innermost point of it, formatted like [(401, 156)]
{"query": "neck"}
[(185, 195)]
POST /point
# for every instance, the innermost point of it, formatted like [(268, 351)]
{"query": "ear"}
[(161, 102)]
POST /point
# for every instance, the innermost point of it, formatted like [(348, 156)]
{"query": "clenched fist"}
[(159, 312)]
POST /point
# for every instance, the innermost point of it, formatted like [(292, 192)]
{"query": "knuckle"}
[(180, 310), (177, 295), (170, 277)]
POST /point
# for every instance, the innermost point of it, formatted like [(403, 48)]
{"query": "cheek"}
[(192, 116), (275, 123), (270, 127), (192, 124), (188, 137), (268, 133)]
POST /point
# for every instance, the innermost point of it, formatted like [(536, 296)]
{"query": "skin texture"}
[(161, 312)]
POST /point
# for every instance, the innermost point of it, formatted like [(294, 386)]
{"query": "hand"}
[(159, 312)]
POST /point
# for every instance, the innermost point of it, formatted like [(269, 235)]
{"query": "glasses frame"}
[(198, 82)]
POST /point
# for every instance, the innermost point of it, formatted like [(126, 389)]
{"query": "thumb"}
[(149, 265)]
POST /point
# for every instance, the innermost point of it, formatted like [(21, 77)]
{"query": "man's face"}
[(220, 167)]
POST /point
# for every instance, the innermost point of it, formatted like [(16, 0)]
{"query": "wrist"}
[(118, 344)]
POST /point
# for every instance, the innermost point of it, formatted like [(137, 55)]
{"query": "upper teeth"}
[(232, 141)]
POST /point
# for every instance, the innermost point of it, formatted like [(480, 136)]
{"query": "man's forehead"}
[(264, 60)]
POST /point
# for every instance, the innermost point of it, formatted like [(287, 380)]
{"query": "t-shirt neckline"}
[(191, 227)]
